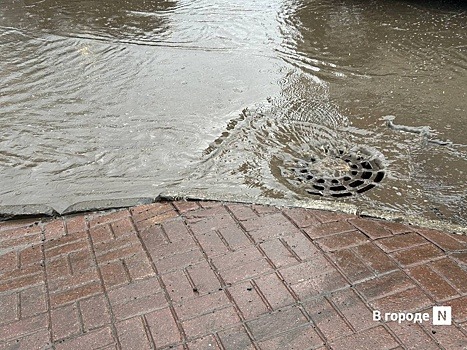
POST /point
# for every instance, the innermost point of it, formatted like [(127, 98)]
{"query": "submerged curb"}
[(8, 212), (320, 205)]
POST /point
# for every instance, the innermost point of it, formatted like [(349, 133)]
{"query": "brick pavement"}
[(207, 275)]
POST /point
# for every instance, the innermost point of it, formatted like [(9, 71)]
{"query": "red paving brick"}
[(211, 275)]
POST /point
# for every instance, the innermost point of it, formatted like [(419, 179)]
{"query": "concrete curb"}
[(320, 205), (105, 204), (8, 212)]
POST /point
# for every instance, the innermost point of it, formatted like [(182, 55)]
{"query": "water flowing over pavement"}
[(108, 100), (210, 275)]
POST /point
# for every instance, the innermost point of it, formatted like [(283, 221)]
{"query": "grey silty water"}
[(121, 99)]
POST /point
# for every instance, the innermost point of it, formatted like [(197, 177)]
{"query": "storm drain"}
[(337, 173)]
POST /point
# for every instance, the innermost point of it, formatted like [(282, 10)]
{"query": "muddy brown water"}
[(116, 99)]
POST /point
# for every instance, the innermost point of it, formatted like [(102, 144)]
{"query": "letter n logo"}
[(441, 315)]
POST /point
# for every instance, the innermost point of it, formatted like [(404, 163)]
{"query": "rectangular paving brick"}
[(30, 255), (330, 216), (234, 236), (122, 227), (80, 260), (212, 243), (351, 265), (443, 240), (114, 274), (328, 229), (235, 338), (70, 295), (371, 228), (458, 308), (179, 287), (409, 300), (139, 266), (417, 254), (21, 282), (432, 282), (203, 277), (306, 270), (278, 253), (413, 336), (8, 262), (94, 312), (67, 282), (235, 259), (375, 258), (143, 212), (396, 227), (57, 267), (207, 342), (449, 337), (353, 308), (370, 339), (381, 286), (269, 226), (342, 240), (242, 212), (163, 328), (93, 340), (304, 337), (201, 305), (132, 335), (18, 232), (53, 229), (456, 275), (184, 206), (23, 327), (402, 241), (210, 323), (301, 246), (248, 300), (248, 270), (134, 290), (101, 234), (33, 301), (320, 283), (139, 306), (9, 307), (276, 294), (158, 247), (21, 242), (107, 217), (37, 340), (178, 261), (155, 220), (302, 217), (279, 321), (326, 318), (175, 230), (75, 223), (65, 322)]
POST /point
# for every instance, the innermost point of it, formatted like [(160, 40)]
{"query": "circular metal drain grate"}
[(337, 173)]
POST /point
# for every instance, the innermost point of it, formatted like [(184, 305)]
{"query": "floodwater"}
[(265, 98)]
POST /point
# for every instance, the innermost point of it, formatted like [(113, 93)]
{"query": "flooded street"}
[(362, 102)]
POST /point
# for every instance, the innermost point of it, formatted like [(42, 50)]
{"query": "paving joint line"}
[(277, 272), (223, 285), (104, 289), (46, 286), (177, 320)]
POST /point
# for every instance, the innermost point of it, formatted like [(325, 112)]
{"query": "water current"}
[(262, 99)]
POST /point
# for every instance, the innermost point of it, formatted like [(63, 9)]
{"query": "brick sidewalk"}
[(188, 275)]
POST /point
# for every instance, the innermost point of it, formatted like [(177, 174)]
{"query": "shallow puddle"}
[(120, 99)]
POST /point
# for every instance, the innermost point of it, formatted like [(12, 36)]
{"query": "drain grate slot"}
[(336, 173)]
